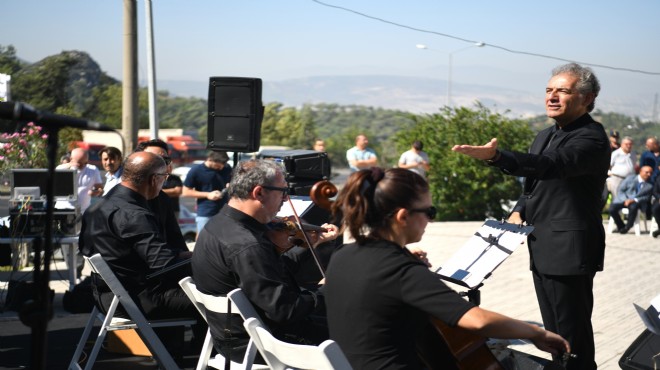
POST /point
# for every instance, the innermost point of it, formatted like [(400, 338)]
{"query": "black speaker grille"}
[(235, 114)]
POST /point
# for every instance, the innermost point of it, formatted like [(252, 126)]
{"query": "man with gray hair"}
[(233, 252), (565, 171)]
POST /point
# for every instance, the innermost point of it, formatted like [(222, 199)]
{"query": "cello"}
[(439, 346)]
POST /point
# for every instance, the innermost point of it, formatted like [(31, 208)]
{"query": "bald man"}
[(126, 232), (89, 177)]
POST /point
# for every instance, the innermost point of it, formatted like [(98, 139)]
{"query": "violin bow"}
[(306, 238)]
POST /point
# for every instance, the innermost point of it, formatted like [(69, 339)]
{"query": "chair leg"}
[(73, 365), (610, 225), (207, 349), (102, 333)]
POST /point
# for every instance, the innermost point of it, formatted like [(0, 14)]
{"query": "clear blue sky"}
[(276, 40)]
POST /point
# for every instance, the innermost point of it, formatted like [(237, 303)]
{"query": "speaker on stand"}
[(235, 114)]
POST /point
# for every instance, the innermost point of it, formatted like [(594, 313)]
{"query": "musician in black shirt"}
[(126, 232), (232, 251), (380, 296)]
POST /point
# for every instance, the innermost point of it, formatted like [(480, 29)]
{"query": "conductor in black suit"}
[(565, 171)]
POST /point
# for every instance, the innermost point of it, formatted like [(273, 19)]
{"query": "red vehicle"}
[(184, 149)]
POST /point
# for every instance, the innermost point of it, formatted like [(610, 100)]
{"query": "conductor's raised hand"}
[(483, 152)]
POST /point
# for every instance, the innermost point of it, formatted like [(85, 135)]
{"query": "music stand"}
[(490, 245), (651, 316)]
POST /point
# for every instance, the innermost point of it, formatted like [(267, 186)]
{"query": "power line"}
[(485, 44)]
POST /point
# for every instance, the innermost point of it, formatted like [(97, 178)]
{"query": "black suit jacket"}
[(562, 196)]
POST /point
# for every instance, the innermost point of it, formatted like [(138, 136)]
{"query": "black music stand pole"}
[(37, 312)]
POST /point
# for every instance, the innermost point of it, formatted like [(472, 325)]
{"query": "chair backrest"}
[(280, 355), (206, 302), (244, 306)]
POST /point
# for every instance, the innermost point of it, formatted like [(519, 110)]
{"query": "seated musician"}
[(126, 232), (379, 296), (233, 252)]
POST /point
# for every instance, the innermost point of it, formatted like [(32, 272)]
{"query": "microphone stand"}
[(37, 312)]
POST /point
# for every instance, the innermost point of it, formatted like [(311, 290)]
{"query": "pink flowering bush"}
[(25, 149)]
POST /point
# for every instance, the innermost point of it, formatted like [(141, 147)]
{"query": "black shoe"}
[(655, 233), (623, 230)]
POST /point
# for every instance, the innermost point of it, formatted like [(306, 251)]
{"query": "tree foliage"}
[(287, 126), (463, 188), (9, 63), (339, 125)]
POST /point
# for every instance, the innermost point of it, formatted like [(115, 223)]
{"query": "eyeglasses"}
[(430, 212), (285, 191), (168, 160), (162, 174)]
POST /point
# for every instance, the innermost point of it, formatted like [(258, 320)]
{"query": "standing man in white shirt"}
[(112, 164), (415, 159), (622, 165), (89, 185), (89, 178)]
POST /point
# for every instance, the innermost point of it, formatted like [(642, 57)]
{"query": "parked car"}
[(187, 224), (181, 172)]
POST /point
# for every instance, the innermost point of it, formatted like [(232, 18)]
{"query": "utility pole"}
[(151, 71), (130, 84)]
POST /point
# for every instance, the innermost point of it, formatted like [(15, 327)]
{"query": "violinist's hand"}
[(483, 152), (552, 343), (515, 218), (331, 233), (420, 254)]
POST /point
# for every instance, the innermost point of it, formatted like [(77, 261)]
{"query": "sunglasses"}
[(285, 191), (430, 212)]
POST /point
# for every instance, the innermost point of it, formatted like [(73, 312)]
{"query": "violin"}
[(439, 346), (295, 234)]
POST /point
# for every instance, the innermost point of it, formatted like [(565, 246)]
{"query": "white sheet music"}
[(490, 245), (651, 316), (301, 204)]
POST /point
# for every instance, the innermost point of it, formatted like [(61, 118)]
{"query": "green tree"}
[(464, 188), (287, 126), (9, 63)]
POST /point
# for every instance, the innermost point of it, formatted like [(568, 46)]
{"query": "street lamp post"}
[(450, 56)]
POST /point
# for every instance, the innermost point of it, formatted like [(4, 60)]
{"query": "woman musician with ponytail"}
[(380, 297)]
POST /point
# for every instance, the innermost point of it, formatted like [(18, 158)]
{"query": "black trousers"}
[(566, 304), (633, 208)]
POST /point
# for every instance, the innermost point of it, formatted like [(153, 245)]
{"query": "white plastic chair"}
[(641, 217), (244, 306), (206, 302), (281, 355), (654, 226), (110, 323)]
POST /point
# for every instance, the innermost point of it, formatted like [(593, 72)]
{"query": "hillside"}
[(412, 94)]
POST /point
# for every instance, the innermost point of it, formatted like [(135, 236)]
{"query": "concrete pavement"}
[(632, 274)]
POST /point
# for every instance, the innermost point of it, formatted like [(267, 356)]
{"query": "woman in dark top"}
[(379, 295)]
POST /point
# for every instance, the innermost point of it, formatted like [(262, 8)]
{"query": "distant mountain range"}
[(412, 94)]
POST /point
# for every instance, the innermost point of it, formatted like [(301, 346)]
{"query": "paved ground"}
[(631, 275)]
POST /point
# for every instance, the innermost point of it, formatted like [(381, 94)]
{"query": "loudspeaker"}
[(302, 165), (235, 114)]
